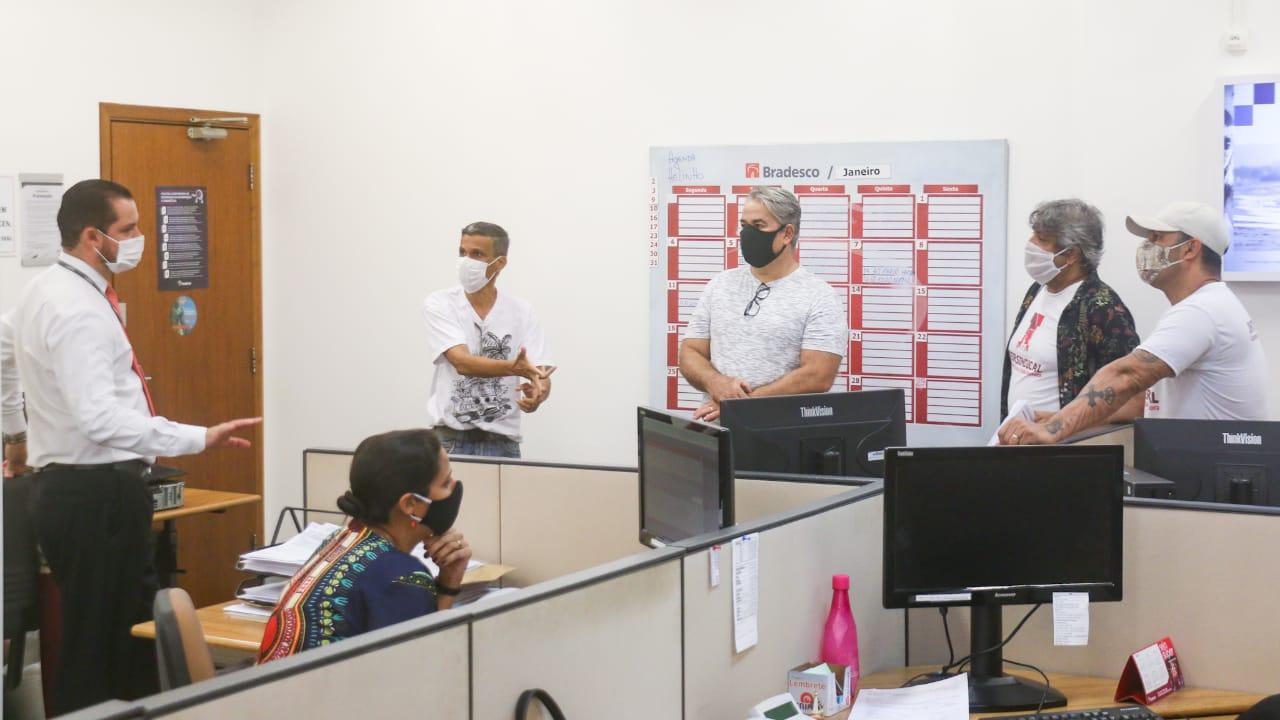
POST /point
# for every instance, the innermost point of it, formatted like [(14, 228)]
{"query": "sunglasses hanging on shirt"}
[(753, 307)]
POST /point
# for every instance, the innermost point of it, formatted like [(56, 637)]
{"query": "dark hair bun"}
[(387, 466), (351, 505)]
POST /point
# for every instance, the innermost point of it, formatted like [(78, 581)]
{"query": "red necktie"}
[(114, 299)]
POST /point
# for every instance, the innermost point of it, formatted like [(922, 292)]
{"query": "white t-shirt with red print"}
[(1033, 351)]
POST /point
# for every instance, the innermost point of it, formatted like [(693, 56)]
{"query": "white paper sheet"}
[(1020, 409), (8, 215), (714, 560), (746, 591), (1151, 667), (41, 196), (245, 610), (1070, 618), (943, 700)]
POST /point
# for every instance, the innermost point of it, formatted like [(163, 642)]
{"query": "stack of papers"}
[(942, 700), (287, 558), (268, 593)]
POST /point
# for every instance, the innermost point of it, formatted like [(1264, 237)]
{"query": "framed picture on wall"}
[(1251, 177)]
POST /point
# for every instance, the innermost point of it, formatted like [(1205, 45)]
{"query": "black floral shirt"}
[(1095, 329)]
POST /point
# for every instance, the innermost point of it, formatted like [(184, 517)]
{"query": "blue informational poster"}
[(910, 236), (1251, 179)]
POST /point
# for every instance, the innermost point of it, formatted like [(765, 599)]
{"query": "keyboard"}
[(1120, 712)]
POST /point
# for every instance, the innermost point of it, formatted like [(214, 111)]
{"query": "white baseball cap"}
[(1195, 219)]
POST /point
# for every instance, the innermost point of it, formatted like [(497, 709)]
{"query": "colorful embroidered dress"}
[(356, 583)]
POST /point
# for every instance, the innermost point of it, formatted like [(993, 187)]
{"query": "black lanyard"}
[(94, 285)]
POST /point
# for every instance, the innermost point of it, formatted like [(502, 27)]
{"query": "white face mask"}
[(1039, 263), (472, 274), (128, 253), (1152, 259)]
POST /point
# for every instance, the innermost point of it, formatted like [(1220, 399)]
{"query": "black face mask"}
[(757, 245), (441, 514)]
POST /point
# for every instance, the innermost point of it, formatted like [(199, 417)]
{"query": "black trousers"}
[(94, 527)]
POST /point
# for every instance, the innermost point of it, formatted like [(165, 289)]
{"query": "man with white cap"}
[(1204, 360)]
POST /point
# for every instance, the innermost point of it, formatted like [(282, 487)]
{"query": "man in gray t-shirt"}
[(771, 328)]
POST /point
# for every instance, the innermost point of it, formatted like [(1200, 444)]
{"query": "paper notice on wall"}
[(746, 591), (40, 196), (8, 225)]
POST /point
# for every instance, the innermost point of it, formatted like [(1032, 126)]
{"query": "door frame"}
[(109, 113)]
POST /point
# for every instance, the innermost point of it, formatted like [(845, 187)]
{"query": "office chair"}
[(21, 572), (181, 652)]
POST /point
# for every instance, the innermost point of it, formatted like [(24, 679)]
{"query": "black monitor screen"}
[(1212, 460), (1037, 520), (820, 434), (685, 486)]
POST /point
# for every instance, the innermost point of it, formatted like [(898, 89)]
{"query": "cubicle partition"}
[(605, 642), (606, 630), (647, 635), (373, 674), (1203, 574), (602, 642), (799, 551), (550, 519)]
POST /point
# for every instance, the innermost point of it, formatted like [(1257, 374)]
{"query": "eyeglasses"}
[(753, 307)]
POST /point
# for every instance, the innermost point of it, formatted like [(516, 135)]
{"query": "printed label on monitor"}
[(944, 598)]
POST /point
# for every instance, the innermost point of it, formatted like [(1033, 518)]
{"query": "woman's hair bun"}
[(351, 505)]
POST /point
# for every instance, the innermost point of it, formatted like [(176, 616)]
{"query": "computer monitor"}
[(992, 526), (1212, 460), (840, 433), (686, 477)]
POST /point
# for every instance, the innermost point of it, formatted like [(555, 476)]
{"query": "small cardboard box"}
[(820, 693)]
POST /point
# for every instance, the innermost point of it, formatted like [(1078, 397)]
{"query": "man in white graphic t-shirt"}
[(482, 343), (1204, 360)]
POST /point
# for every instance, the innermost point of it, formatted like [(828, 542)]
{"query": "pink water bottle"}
[(840, 636)]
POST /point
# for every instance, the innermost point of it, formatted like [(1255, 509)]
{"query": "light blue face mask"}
[(1040, 265), (128, 253)]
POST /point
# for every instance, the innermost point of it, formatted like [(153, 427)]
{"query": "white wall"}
[(60, 59), (388, 126)]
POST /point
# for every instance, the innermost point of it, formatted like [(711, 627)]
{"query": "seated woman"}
[(402, 493), (1070, 323)]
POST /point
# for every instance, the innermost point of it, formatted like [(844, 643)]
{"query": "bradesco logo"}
[(756, 170)]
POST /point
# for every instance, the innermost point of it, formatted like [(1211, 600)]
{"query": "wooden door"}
[(210, 371)]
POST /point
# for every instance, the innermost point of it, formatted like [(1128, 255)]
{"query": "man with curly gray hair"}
[(1070, 323)]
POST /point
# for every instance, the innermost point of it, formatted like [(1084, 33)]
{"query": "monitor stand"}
[(990, 690)]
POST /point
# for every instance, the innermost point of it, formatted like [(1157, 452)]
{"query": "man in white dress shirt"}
[(93, 436)]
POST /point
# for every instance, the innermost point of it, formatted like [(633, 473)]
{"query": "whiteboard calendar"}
[(910, 236)]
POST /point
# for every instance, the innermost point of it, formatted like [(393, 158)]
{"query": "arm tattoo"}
[(1054, 425), (1107, 395), (1145, 356)]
